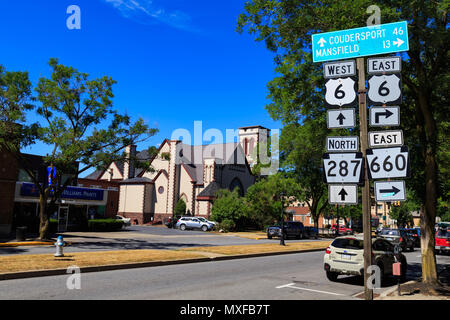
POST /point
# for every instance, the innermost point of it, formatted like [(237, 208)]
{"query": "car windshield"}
[(348, 243), (201, 219), (390, 232), (443, 234)]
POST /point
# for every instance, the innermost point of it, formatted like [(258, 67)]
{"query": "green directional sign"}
[(360, 42)]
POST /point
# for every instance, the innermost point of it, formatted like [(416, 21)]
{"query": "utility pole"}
[(367, 230)]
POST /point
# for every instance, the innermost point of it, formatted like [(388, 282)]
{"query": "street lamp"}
[(282, 220)]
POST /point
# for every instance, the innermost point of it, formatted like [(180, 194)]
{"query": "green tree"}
[(79, 123), (297, 93), (267, 200), (180, 208), (228, 208)]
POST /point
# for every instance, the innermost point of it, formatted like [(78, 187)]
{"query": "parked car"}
[(342, 229), (415, 234), (126, 221), (185, 223), (207, 221), (398, 237), (311, 232), (171, 221), (442, 241), (291, 229), (345, 256)]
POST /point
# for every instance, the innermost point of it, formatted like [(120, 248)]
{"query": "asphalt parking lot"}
[(140, 237)]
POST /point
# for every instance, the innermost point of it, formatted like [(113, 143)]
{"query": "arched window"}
[(236, 183)]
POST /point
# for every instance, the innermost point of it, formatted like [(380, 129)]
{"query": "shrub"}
[(105, 225), (227, 225)]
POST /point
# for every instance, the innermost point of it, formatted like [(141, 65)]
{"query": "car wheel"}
[(204, 228), (269, 237), (332, 276), (183, 227)]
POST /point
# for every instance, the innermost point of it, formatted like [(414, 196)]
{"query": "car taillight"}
[(401, 239), (328, 251)]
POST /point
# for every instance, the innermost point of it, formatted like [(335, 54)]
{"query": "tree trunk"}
[(44, 226), (428, 217)]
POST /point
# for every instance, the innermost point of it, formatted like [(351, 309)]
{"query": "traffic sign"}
[(340, 92), (343, 167), (384, 116), (342, 194), (342, 144), (384, 89), (390, 191), (384, 65), (360, 42), (388, 163), (389, 138), (341, 118), (339, 69)]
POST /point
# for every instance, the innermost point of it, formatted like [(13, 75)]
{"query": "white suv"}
[(345, 256)]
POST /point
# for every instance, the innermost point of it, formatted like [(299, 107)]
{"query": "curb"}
[(394, 289), (57, 272)]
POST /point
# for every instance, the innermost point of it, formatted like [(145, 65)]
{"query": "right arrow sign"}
[(384, 117), (390, 190)]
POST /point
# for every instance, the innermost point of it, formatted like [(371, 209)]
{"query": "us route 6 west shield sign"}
[(340, 92), (388, 163), (384, 89), (343, 167), (343, 194), (390, 191)]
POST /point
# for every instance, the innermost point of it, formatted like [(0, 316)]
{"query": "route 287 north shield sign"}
[(340, 92), (343, 167)]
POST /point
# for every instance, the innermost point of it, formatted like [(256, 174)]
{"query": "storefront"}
[(71, 213)]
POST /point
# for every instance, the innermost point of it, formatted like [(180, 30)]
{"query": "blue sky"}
[(175, 61)]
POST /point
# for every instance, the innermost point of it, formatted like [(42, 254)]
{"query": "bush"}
[(226, 225), (105, 225)]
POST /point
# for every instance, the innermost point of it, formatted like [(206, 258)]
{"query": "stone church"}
[(182, 171)]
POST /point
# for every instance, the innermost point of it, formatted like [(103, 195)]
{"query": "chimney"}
[(128, 166)]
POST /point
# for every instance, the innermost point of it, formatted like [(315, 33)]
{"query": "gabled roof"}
[(210, 191)]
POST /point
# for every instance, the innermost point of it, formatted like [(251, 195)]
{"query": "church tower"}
[(250, 138)]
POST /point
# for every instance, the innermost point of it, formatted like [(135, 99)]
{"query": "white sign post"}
[(342, 144), (384, 65), (384, 116), (390, 191), (388, 163), (343, 167), (341, 118), (340, 92), (343, 194), (381, 139), (384, 89)]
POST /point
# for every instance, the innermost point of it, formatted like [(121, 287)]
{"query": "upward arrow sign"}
[(341, 119), (343, 193), (322, 42)]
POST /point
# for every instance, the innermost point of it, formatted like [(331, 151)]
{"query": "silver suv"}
[(193, 223), (345, 256)]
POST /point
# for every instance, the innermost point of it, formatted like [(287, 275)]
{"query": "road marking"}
[(291, 285)]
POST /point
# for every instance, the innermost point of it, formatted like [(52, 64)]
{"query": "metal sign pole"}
[(367, 230)]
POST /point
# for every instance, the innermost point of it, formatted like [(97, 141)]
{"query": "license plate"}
[(346, 256)]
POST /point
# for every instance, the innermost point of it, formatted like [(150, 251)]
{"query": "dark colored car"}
[(398, 237), (171, 221), (292, 229), (311, 232), (414, 233)]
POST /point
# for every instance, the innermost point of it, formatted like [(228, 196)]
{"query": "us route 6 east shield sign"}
[(384, 89)]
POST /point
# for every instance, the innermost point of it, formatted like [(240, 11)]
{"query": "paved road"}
[(139, 237), (295, 276)]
